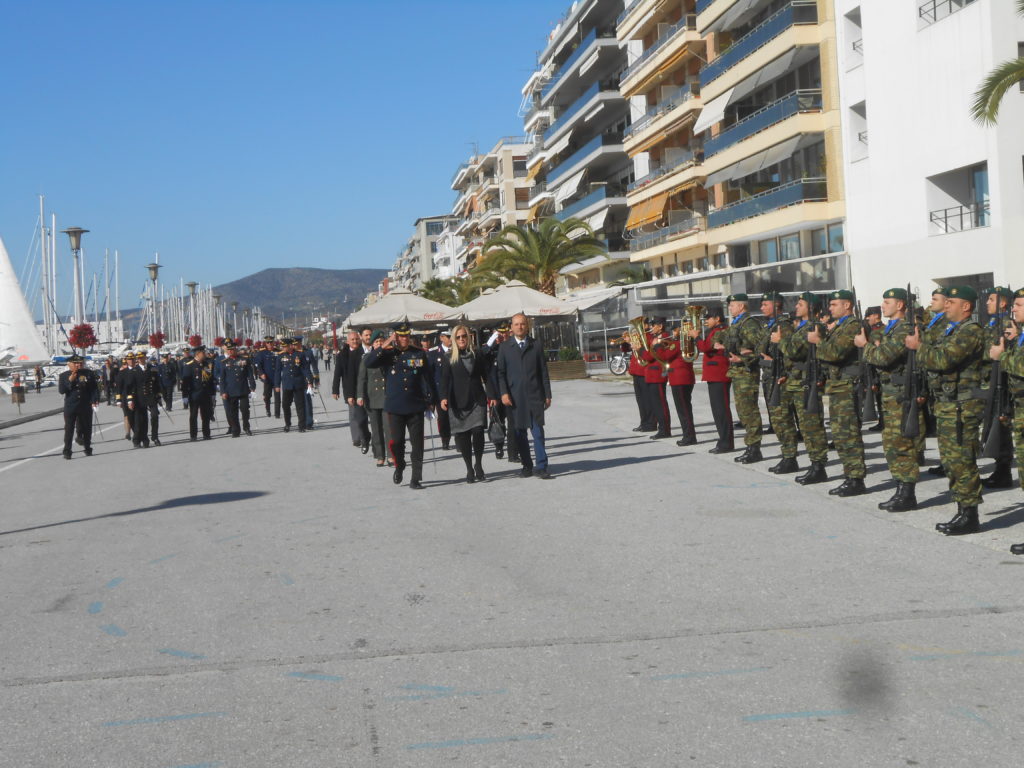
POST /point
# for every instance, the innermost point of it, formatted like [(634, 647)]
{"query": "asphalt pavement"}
[(277, 601)]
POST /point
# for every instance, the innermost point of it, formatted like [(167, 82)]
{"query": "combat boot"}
[(1017, 549), (1000, 477), (887, 504), (740, 459), (966, 521), (907, 499), (752, 455), (815, 474), (785, 467), (852, 486), (939, 471)]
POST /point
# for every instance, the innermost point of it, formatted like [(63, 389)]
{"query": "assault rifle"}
[(812, 390), (772, 388), (868, 383), (913, 387), (998, 409)]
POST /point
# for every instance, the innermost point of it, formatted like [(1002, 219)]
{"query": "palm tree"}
[(637, 273), (536, 256), (441, 291), (1000, 80)]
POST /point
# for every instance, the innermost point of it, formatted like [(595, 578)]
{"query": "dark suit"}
[(438, 357), (346, 373), (523, 376)]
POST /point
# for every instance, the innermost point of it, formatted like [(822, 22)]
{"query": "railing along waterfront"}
[(687, 23), (796, 13), (792, 104), (793, 193)]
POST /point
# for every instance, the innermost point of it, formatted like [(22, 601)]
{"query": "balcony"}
[(665, 234), (794, 104), (687, 24), (936, 10), (702, 5), (960, 218), (682, 95), (630, 5), (609, 87), (611, 140), (796, 13), (793, 193), (563, 70), (599, 194), (685, 160)]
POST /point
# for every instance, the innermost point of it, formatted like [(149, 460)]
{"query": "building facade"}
[(415, 262)]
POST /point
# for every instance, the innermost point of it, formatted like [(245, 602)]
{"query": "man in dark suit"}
[(346, 379), (81, 394), (525, 389)]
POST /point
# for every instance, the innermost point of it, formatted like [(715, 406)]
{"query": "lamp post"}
[(222, 328), (154, 270), (191, 306), (234, 318), (75, 236)]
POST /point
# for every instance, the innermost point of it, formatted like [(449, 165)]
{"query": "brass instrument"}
[(637, 335), (693, 321)]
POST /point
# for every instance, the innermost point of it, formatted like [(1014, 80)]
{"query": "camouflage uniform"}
[(890, 358), (955, 362), (744, 333), (781, 416), (795, 349), (1013, 364), (932, 330), (993, 335), (838, 354)]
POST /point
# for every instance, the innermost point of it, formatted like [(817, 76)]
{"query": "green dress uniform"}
[(1001, 476), (796, 351), (745, 333), (781, 416), (1013, 365)]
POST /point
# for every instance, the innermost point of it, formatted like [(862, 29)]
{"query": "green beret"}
[(1002, 291), (738, 297), (1019, 293), (896, 293), (811, 298), (378, 334), (773, 296), (941, 291), (841, 294), (964, 292)]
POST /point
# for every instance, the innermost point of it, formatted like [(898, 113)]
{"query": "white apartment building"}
[(932, 196), (415, 262)]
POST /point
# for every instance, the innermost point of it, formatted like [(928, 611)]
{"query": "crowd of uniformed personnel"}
[(931, 371)]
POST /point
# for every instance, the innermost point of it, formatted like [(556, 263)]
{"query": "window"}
[(768, 251), (434, 228), (819, 242), (789, 247), (720, 261), (958, 200), (835, 238), (433, 247)]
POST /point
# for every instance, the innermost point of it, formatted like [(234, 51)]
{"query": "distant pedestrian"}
[(39, 378), (526, 389)]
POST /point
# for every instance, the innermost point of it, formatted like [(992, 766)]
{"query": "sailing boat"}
[(21, 346)]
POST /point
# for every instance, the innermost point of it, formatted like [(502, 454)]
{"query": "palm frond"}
[(985, 108)]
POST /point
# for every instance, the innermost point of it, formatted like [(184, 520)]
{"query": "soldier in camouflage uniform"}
[(796, 351), (888, 354), (998, 305), (838, 355), (780, 416), (1011, 354), (957, 357), (934, 327), (741, 341)]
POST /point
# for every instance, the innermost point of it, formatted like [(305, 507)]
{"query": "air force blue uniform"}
[(292, 377), (236, 382)]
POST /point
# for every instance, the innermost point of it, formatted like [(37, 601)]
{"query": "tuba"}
[(694, 317), (637, 335)]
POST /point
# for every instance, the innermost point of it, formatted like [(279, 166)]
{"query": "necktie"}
[(522, 345)]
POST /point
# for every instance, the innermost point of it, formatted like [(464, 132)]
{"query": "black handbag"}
[(496, 428)]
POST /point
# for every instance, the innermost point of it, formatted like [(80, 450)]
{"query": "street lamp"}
[(154, 270), (234, 318), (75, 236), (192, 305)]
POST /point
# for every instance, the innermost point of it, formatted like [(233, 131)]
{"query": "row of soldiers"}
[(970, 378)]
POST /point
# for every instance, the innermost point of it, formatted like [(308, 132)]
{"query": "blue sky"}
[(234, 136)]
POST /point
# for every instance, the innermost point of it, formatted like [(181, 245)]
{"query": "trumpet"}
[(693, 321)]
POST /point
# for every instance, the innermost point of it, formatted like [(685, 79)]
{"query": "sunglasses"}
[(461, 336)]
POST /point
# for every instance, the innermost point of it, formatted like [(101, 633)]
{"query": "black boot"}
[(854, 486), (966, 521), (907, 501), (752, 455), (815, 474), (785, 467), (1000, 477), (397, 476), (1017, 549), (887, 504), (739, 459), (939, 471), (417, 476)]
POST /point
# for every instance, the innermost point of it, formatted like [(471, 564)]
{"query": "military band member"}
[(888, 354), (797, 351), (198, 389), (740, 344), (237, 381), (1010, 352), (408, 394), (957, 360), (715, 373), (294, 377), (656, 378), (838, 356), (638, 372), (80, 388), (780, 416), (681, 380), (998, 307)]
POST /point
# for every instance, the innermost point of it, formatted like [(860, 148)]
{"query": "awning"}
[(596, 222), (534, 171), (733, 16), (570, 187), (712, 113), (647, 211), (754, 163), (532, 215), (558, 146), (771, 71)]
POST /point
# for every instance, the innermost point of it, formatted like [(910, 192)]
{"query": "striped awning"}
[(648, 211)]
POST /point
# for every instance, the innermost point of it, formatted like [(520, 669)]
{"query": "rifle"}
[(914, 385), (868, 383), (998, 410), (773, 390), (812, 392)]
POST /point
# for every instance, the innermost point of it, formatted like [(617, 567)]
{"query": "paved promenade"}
[(277, 602)]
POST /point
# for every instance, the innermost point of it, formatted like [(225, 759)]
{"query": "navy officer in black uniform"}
[(237, 380), (198, 388), (293, 378), (407, 395), (81, 391)]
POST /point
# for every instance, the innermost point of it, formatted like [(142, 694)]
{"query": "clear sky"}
[(235, 135)]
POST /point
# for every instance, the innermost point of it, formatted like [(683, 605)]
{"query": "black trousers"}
[(657, 404), (80, 422), (298, 396), (146, 423), (647, 417), (268, 390), (199, 406), (444, 426), (471, 446), (718, 393), (168, 394), (235, 406), (682, 395), (398, 423)]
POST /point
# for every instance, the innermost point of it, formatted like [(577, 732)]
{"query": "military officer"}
[(998, 307), (168, 370), (294, 377), (310, 357), (236, 382), (838, 356), (888, 354), (1010, 353), (740, 343), (408, 394), (956, 359), (143, 394), (121, 386), (81, 391), (198, 388), (264, 362), (780, 416), (436, 355), (797, 354)]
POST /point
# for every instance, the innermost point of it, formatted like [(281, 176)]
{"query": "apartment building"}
[(492, 192), (933, 197), (576, 116), (737, 147), (415, 262)]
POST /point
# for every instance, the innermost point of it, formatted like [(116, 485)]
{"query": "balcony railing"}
[(935, 10), (688, 22), (862, 137), (663, 235), (601, 193), (629, 9), (960, 218), (793, 193), (585, 43), (663, 169), (702, 5), (604, 140), (798, 12), (680, 96), (579, 104), (772, 114)]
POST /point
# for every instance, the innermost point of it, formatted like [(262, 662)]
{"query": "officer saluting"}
[(407, 394), (236, 382), (81, 394)]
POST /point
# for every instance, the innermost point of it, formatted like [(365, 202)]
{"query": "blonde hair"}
[(453, 356)]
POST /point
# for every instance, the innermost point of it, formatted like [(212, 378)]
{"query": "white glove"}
[(494, 337)]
